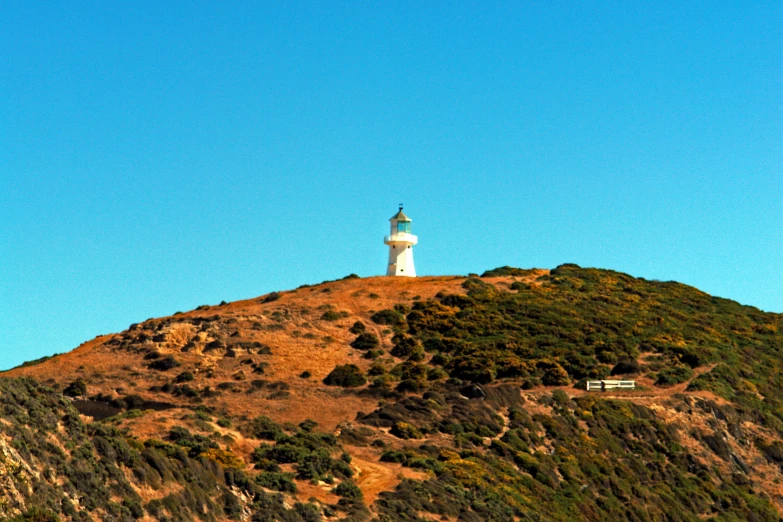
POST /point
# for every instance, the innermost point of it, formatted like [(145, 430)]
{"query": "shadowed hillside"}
[(437, 398)]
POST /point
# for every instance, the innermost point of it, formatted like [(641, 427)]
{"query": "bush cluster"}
[(164, 364), (357, 327), (312, 453), (331, 315), (633, 468), (388, 317), (365, 341), (99, 465), (346, 375)]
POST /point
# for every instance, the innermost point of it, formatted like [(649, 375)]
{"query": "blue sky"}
[(156, 158)]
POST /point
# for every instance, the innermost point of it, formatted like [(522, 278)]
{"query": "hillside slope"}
[(446, 398)]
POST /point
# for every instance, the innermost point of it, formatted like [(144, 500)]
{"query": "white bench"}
[(610, 385)]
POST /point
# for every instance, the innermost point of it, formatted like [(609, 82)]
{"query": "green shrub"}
[(134, 507), (388, 317), (357, 328), (436, 374), (196, 444), (476, 369), (263, 427), (383, 382), (411, 385), (560, 397), (330, 315), (626, 367), (555, 376), (673, 375), (274, 296), (402, 308), (409, 370), (35, 514), (365, 341), (277, 481), (372, 354), (418, 355), (308, 512), (349, 490), (346, 375), (773, 452), (474, 286), (167, 363), (406, 346), (508, 271), (184, 377), (405, 430), (77, 388), (308, 425), (377, 368)]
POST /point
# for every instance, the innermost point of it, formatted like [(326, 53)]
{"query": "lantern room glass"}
[(403, 227)]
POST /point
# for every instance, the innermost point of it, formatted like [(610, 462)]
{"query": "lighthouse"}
[(400, 243)]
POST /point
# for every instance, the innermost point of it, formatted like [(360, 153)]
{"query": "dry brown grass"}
[(106, 369)]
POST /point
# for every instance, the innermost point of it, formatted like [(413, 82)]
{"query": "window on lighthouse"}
[(404, 226)]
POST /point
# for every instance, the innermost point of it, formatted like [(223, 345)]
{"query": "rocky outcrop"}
[(14, 475)]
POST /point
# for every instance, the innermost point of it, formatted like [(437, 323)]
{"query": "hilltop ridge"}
[(449, 397)]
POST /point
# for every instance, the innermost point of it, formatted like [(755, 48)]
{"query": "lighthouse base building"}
[(400, 243)]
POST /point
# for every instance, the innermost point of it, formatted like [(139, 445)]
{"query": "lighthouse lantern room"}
[(400, 243)]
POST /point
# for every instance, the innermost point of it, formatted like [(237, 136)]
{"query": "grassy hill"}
[(437, 398)]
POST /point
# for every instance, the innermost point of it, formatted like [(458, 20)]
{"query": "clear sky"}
[(156, 156)]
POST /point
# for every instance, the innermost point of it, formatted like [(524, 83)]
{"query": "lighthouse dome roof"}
[(399, 216)]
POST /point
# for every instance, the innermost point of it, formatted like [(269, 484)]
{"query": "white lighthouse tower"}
[(400, 243)]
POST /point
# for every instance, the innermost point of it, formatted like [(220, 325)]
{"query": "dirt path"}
[(647, 392), (373, 476)]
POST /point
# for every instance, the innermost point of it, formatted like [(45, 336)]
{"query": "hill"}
[(436, 398)]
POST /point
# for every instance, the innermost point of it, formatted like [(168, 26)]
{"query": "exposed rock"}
[(14, 472)]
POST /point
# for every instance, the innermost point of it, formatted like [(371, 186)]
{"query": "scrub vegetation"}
[(53, 466), (578, 323), (588, 457), (453, 398)]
